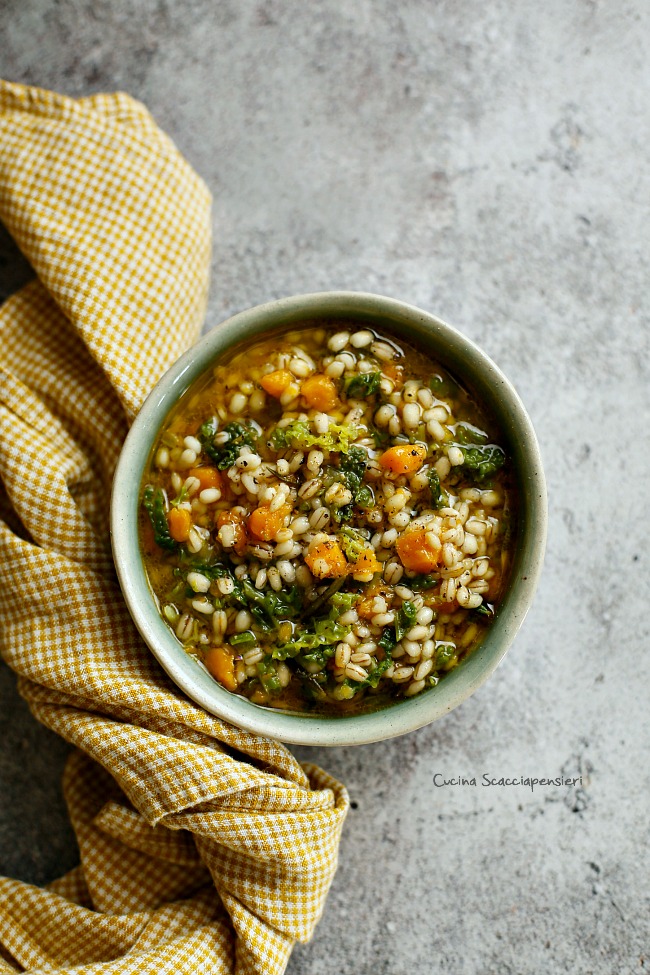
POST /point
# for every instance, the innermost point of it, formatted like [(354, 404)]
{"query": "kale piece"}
[(438, 497), (153, 501), (351, 469), (364, 385), (446, 656), (467, 434), (424, 581), (268, 676), (298, 434), (481, 458), (482, 461), (386, 642), (405, 619), (225, 455)]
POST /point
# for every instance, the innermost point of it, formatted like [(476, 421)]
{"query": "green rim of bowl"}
[(479, 374)]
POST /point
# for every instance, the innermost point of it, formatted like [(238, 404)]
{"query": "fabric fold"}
[(202, 847)]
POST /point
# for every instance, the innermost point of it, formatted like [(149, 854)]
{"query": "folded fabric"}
[(203, 847)]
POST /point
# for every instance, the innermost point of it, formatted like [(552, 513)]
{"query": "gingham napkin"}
[(203, 848)]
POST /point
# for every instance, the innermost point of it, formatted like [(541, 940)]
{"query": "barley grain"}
[(402, 674), (284, 674), (299, 368), (198, 582), (400, 519), (210, 495), (361, 339), (335, 369), (382, 351), (383, 619), (219, 622), (275, 578), (393, 572), (355, 672), (243, 620), (238, 403), (185, 627), (338, 341)]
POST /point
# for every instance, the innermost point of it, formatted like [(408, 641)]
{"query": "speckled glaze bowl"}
[(489, 387)]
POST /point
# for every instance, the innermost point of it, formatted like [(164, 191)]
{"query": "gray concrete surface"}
[(489, 162)]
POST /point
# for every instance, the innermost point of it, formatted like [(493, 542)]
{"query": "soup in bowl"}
[(328, 519)]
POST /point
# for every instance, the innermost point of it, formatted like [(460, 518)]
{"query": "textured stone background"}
[(489, 162)]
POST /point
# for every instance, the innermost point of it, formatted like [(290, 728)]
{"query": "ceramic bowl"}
[(490, 388)]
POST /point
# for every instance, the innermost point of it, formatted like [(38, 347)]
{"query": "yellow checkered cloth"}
[(203, 848)]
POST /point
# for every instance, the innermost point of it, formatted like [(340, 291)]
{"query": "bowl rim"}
[(404, 716)]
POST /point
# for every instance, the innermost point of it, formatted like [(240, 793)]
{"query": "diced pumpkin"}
[(367, 562), (275, 383), (404, 458), (326, 560), (236, 519), (320, 392), (264, 524), (179, 521), (208, 477), (221, 664), (415, 552), (377, 587)]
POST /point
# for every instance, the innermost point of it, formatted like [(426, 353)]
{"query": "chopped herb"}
[(298, 435), (323, 633), (353, 542), (225, 455), (387, 643), (405, 619), (208, 429), (178, 590), (351, 470), (376, 675), (364, 385), (344, 513), (278, 439), (247, 638), (311, 686), (438, 497), (268, 607), (353, 466), (154, 503), (268, 676), (419, 582), (387, 639), (442, 386), (324, 598), (365, 497), (182, 495), (342, 602), (381, 437), (467, 434), (318, 657), (482, 460), (446, 656)]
